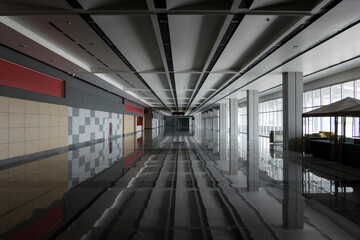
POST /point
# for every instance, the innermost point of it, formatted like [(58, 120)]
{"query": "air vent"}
[(74, 4), (81, 47), (90, 53), (246, 4), (165, 36), (160, 3), (69, 37), (102, 62), (54, 26), (125, 80), (178, 113)]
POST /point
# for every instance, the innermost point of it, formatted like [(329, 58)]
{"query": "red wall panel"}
[(133, 109), (2, 74), (139, 121), (17, 76)]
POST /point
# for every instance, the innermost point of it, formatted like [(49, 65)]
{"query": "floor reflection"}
[(197, 184), (31, 186)]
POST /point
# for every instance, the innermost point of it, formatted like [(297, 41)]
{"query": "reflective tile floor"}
[(166, 185)]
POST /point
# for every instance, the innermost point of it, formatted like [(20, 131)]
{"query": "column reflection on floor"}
[(177, 186)]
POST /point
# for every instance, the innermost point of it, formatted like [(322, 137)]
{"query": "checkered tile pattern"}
[(87, 161), (86, 125)]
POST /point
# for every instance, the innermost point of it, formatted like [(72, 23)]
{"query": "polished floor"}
[(179, 185)]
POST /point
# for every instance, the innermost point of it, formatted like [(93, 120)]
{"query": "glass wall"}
[(271, 112), (270, 116), (242, 121), (324, 96)]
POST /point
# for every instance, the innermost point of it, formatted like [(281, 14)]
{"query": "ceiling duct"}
[(178, 113)]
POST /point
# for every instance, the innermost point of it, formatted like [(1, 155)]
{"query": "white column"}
[(215, 120), (210, 118), (210, 129), (252, 115), (233, 114), (222, 119), (234, 155), (223, 129), (292, 109), (215, 130), (205, 121)]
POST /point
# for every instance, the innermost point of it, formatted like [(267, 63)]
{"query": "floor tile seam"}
[(230, 211), (258, 214)]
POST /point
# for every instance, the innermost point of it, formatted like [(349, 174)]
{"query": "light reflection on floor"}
[(162, 184)]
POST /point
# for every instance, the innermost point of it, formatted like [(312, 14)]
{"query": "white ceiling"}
[(213, 46)]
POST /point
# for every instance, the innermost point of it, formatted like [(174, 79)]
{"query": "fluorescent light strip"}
[(36, 38), (109, 80), (134, 95)]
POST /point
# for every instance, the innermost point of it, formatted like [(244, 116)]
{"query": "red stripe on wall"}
[(133, 109), (17, 76)]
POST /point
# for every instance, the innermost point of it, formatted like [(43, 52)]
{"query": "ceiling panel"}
[(134, 36), (199, 4), (113, 4), (26, 5), (192, 38), (298, 5), (253, 35), (186, 81)]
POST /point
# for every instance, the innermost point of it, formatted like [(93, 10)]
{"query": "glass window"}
[(316, 98), (335, 93), (349, 131), (308, 99), (280, 120), (271, 116), (280, 104), (348, 90), (275, 105), (357, 87), (325, 96)]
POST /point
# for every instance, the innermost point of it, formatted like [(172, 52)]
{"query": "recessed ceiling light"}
[(68, 22), (267, 19), (295, 46)]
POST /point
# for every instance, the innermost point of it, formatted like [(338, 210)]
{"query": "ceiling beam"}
[(114, 12), (162, 33), (226, 32), (294, 31)]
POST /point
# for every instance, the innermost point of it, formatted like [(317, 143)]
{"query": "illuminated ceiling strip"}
[(36, 38)]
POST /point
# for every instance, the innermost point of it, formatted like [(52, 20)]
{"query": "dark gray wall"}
[(78, 93)]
